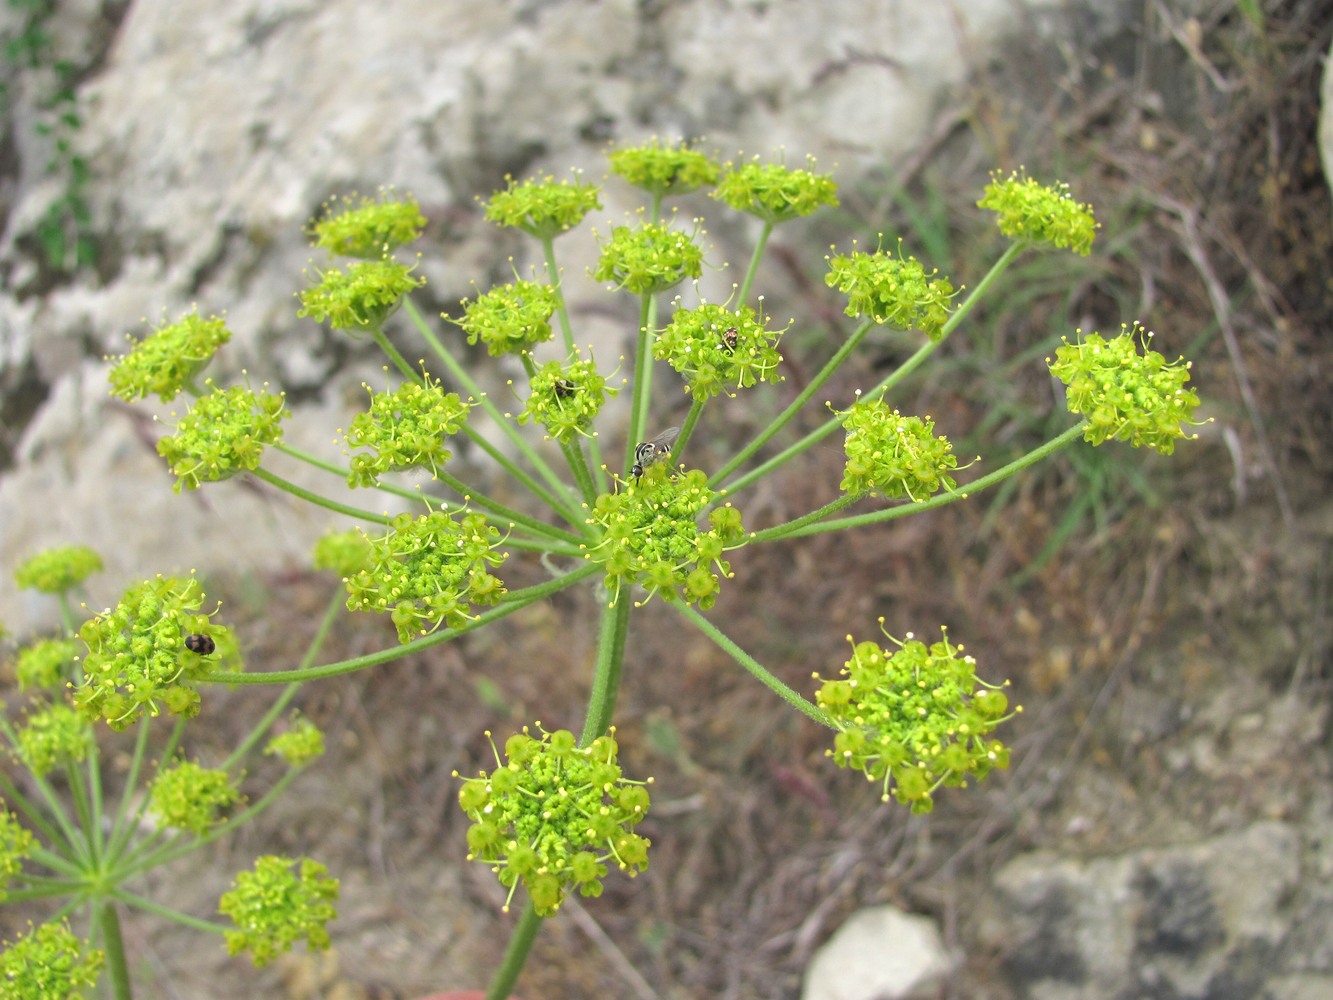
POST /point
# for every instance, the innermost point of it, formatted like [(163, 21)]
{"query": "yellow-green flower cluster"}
[(565, 399), (648, 258), (166, 360), (1040, 213), (774, 193), (137, 655), (279, 903), (16, 843), (223, 434), (54, 571), (360, 298), (713, 347), (427, 571), (1125, 395), (509, 319), (186, 796), (344, 552), (651, 536), (404, 430), (543, 208), (553, 817), (52, 738), (45, 664), (893, 455), (915, 718), (369, 229), (49, 962), (896, 291), (664, 170), (300, 745)]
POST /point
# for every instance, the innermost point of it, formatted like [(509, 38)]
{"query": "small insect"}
[(563, 388), (647, 453), (201, 644), (729, 337)]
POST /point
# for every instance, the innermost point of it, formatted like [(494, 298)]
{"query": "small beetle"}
[(203, 645)]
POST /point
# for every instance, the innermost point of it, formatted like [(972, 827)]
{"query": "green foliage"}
[(553, 815), (557, 813)]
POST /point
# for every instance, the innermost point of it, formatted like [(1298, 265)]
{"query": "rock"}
[(880, 953)]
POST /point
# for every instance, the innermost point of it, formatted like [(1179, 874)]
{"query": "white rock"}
[(880, 953)]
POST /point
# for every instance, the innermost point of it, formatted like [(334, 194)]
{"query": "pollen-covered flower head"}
[(302, 744), (775, 193), (509, 319), (50, 961), (566, 398), (1123, 394), (138, 658), (46, 664), (56, 570), (427, 571), (542, 208), (360, 298), (279, 902), (714, 347), (187, 796), (554, 816), (16, 844), (165, 361), (52, 737), (915, 718), (368, 228), (649, 258), (651, 536), (406, 429), (223, 434), (1040, 213), (896, 291), (894, 455), (664, 170)]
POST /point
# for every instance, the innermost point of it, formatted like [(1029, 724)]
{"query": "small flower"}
[(544, 208), (895, 291), (651, 536), (369, 229), (54, 571), (300, 745), (915, 718), (427, 571), (555, 816), (509, 319), (46, 665), (1125, 395), (648, 258), (713, 347), (189, 797), (1040, 213), (16, 843), (344, 552), (137, 654), (52, 738), (774, 193), (565, 399), (894, 455), (360, 298), (49, 962), (664, 170), (275, 906), (223, 434), (404, 430), (166, 360)]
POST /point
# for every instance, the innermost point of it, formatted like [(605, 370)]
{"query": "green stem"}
[(643, 377), (606, 674), (787, 528), (398, 360), (516, 954), (108, 921), (143, 903), (892, 513), (687, 428), (753, 269), (553, 278), (316, 499), (747, 661), (514, 601), (460, 375)]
